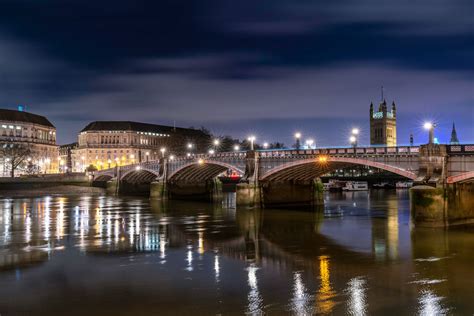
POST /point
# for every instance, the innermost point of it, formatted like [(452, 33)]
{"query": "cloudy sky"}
[(268, 68)]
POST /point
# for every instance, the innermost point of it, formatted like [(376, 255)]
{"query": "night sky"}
[(268, 68)]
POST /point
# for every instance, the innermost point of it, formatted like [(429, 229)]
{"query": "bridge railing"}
[(349, 150), (461, 149)]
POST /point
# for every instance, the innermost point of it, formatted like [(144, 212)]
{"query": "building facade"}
[(106, 144), (28, 139), (383, 125)]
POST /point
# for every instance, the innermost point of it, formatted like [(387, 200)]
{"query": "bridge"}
[(288, 178)]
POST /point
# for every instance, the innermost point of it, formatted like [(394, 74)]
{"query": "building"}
[(383, 125), (68, 162), (454, 137), (106, 144), (30, 140)]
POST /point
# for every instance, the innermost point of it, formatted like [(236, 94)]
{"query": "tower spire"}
[(454, 137), (381, 90)]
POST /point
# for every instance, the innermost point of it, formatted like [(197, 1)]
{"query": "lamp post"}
[(430, 127), (162, 150), (309, 143), (265, 145), (147, 155), (216, 143), (190, 148), (297, 136), (251, 139), (354, 137), (353, 140)]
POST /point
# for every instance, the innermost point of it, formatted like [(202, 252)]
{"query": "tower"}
[(383, 124), (454, 137)]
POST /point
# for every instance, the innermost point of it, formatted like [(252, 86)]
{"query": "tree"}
[(15, 156), (91, 168)]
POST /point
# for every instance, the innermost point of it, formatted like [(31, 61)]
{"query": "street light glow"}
[(236, 147), (265, 145), (428, 125), (190, 145), (352, 139), (298, 135), (211, 151), (355, 131), (251, 138), (216, 142)]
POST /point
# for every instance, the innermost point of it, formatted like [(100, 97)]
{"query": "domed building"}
[(27, 143)]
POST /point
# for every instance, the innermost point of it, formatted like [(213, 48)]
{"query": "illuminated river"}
[(87, 255)]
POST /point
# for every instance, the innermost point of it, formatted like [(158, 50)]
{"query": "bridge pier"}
[(248, 194), (292, 194), (159, 190), (112, 186), (442, 206), (209, 190)]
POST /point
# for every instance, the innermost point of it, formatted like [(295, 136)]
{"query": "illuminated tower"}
[(383, 125)]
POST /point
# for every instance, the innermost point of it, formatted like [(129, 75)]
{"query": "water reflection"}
[(254, 306), (247, 260), (357, 304), (325, 295)]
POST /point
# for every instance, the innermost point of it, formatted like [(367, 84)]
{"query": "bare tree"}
[(15, 156)]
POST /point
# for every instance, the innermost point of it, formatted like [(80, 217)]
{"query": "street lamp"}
[(190, 147), (216, 143), (353, 140), (309, 143), (354, 137), (171, 157), (430, 127), (297, 136), (236, 148), (251, 139), (147, 155), (212, 151), (265, 145), (162, 150)]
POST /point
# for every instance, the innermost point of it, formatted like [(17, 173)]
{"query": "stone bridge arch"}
[(463, 177), (139, 175), (137, 181), (308, 169), (201, 171)]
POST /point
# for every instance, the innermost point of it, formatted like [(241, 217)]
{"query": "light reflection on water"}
[(219, 259)]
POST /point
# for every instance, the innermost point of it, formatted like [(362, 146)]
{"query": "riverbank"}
[(51, 190)]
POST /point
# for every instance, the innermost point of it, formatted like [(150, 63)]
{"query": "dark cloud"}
[(207, 62)]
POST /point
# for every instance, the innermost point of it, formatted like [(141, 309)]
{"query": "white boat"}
[(403, 185), (355, 186)]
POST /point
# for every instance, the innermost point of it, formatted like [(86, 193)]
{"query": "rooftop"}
[(136, 127), (20, 116)]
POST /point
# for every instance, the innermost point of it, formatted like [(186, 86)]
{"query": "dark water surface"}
[(91, 255)]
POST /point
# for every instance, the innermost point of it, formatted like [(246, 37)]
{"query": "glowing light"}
[(190, 145), (162, 150), (188, 155), (211, 151), (355, 131), (172, 157), (147, 153), (428, 125), (252, 138), (200, 161), (297, 135), (352, 139), (137, 168), (323, 159), (265, 145), (236, 147), (216, 142)]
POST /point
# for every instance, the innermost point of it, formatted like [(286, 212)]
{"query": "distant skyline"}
[(240, 68)]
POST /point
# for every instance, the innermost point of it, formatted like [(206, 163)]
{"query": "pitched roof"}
[(20, 116), (136, 127)]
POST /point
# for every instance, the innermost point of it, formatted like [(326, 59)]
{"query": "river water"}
[(93, 254)]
